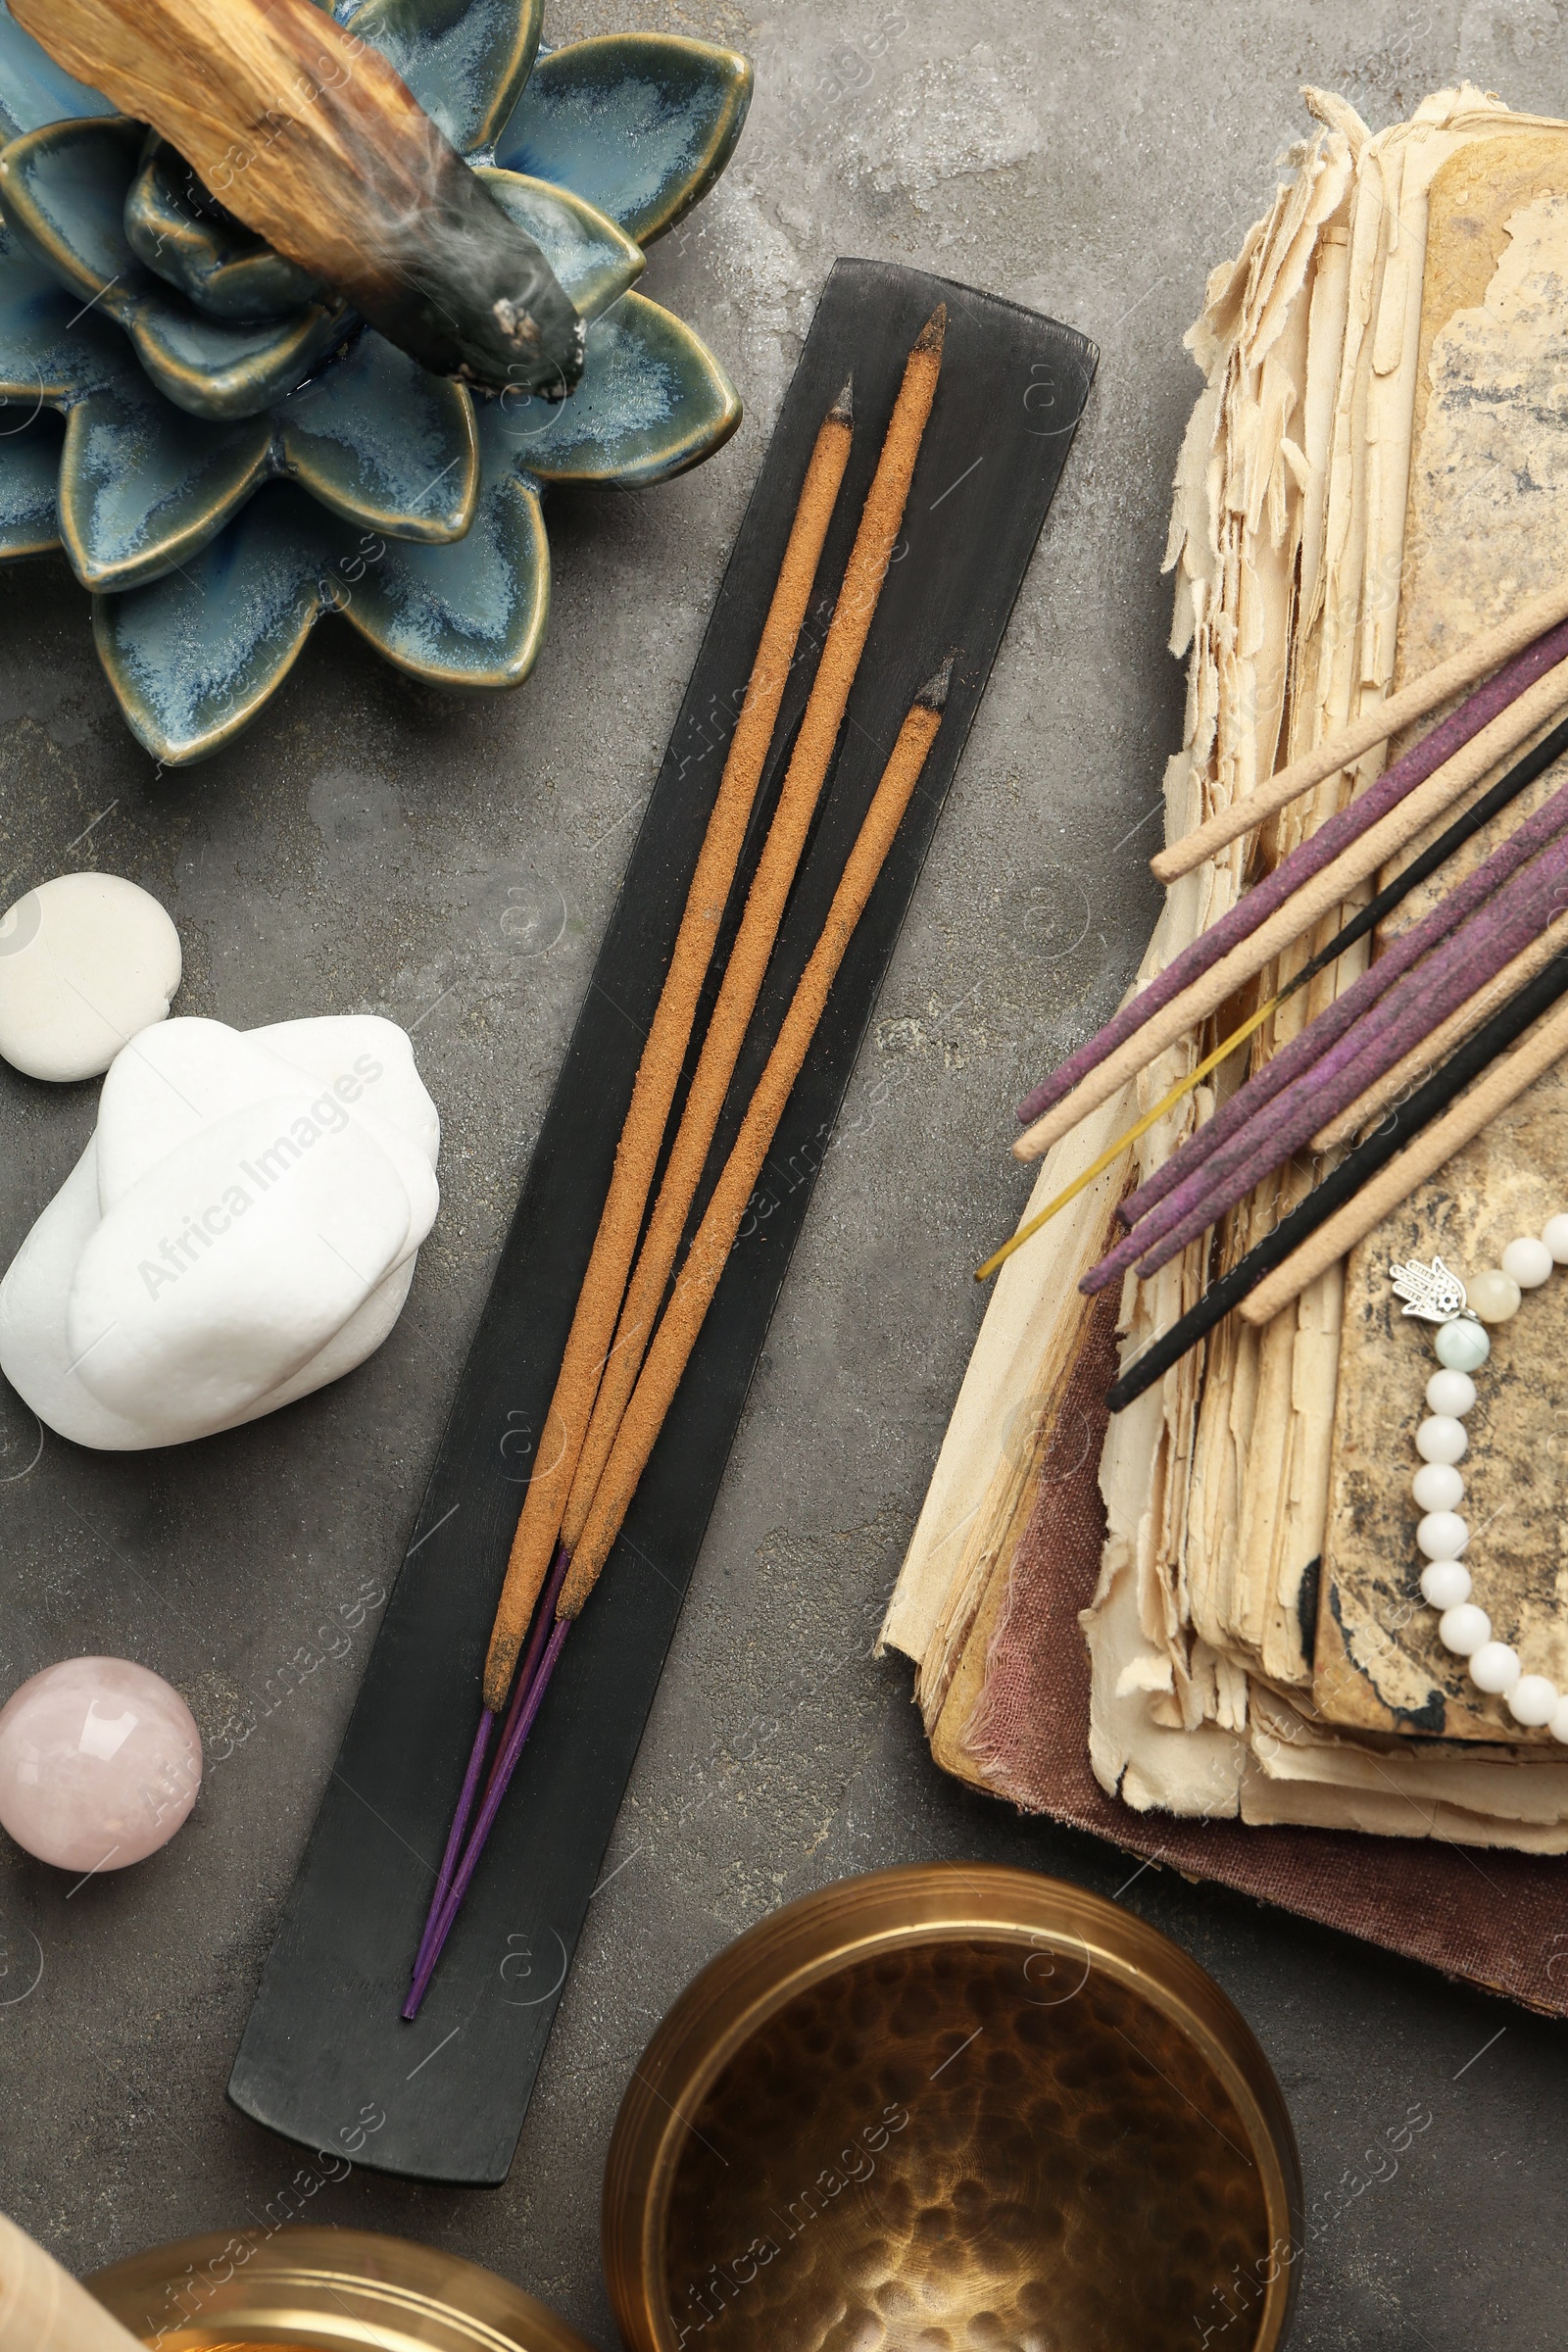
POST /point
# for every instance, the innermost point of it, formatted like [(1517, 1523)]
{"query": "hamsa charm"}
[(1432, 1293)]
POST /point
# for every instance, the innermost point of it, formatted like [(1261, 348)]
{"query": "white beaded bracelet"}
[(1434, 1295)]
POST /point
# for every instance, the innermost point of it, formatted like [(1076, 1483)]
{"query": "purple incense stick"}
[(1514, 917), (1332, 837), (1324, 1032), (537, 1638), (459, 1823), (526, 1706)]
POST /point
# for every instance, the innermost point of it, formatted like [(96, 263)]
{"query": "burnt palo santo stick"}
[(548, 1497), (659, 1069), (1488, 651), (764, 910), (683, 1318), (307, 135)]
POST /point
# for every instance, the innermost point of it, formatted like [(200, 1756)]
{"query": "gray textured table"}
[(372, 846)]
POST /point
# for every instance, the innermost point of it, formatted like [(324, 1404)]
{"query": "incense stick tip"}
[(934, 327), (933, 695), (843, 409)]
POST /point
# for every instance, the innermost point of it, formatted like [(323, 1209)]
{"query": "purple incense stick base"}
[(537, 1638), (526, 1705)]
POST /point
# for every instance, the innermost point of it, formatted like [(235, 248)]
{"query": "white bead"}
[(1438, 1486), (1442, 1439), (1464, 1630), (1446, 1582), (1452, 1393), (1493, 1294), (1494, 1668), (1533, 1701), (1559, 1722), (1441, 1535), (1554, 1233), (1528, 1261), (1462, 1346)]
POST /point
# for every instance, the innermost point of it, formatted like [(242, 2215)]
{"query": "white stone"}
[(1554, 1233), (1559, 1720), (1464, 1630), (1493, 1295), (1462, 1346), (1452, 1393), (1441, 1535), (1494, 1668), (1533, 1701), (1438, 1486), (87, 962), (1528, 1262), (240, 1230), (1446, 1582), (1442, 1439)]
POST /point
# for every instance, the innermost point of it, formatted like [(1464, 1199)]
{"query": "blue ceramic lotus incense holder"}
[(225, 451)]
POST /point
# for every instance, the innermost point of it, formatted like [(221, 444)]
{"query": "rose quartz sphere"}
[(100, 1762)]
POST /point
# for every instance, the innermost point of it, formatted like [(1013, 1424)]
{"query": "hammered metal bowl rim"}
[(795, 1947), (340, 2291)]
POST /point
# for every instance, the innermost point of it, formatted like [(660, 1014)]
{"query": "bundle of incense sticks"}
[(610, 1400), (1360, 1192), (1428, 972), (1313, 877), (1413, 1066)]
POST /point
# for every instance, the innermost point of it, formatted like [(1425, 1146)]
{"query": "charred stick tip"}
[(516, 323), (934, 327), (843, 409), (933, 695)]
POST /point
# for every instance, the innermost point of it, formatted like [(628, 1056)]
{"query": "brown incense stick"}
[(1484, 653), (1438, 1143), (1435, 1048), (1301, 911), (764, 907), (659, 1070), (699, 1278), (716, 1236)]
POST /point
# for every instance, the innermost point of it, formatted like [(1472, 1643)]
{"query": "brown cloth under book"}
[(1495, 1919)]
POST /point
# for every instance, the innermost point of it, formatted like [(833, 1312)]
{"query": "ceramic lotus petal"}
[(225, 451)]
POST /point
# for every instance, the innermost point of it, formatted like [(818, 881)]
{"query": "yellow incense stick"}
[(1184, 1086)]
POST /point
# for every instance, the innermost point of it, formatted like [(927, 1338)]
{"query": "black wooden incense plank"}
[(324, 2041)]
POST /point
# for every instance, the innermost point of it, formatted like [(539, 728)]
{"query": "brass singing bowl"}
[(341, 2291), (952, 2109)]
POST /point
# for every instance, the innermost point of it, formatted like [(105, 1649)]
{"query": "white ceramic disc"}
[(87, 963)]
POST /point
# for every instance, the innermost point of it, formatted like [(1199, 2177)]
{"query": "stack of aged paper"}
[(1376, 468)]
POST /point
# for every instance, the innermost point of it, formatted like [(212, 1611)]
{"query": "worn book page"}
[(1487, 525)]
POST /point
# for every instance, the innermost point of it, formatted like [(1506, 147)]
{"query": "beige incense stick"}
[(1485, 652), (1506, 1079), (1407, 1073), (764, 907), (715, 1236), (659, 1069), (1304, 909), (42, 2309)]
